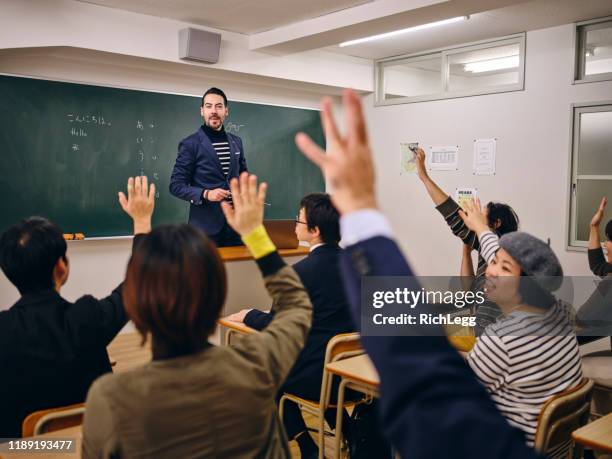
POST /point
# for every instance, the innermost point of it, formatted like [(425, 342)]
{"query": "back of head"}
[(175, 288), (29, 251), (502, 218), (321, 213)]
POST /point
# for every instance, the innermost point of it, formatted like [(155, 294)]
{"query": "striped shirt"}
[(526, 358), (223, 153), (487, 313)]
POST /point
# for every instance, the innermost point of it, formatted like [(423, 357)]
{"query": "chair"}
[(52, 419), (339, 347), (560, 416), (598, 367)]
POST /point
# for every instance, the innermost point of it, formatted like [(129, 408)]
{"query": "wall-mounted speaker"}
[(199, 45)]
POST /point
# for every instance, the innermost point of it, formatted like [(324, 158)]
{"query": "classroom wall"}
[(533, 132)]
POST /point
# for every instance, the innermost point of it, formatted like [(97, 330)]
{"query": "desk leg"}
[(339, 413)]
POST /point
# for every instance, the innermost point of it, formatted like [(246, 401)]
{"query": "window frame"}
[(380, 64), (576, 109), (578, 65)]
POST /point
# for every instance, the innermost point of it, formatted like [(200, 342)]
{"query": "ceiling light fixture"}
[(402, 31), (489, 65)]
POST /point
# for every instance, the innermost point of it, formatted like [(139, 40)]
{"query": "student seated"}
[(597, 262), (501, 219), (431, 405), (51, 350), (196, 399), (531, 353), (317, 224)]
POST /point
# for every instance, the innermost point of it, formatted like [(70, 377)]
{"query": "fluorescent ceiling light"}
[(488, 65), (399, 32)]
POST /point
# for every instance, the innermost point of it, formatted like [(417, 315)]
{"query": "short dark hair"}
[(175, 287), (508, 219), (216, 91), (29, 250), (321, 213), (608, 230)]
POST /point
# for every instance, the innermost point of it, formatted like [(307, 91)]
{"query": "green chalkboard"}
[(67, 149)]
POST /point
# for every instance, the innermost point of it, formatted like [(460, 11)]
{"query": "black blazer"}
[(51, 351), (320, 274), (197, 168)]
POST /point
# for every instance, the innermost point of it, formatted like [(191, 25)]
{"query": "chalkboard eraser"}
[(74, 236)]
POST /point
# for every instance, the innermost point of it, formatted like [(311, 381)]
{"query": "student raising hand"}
[(248, 209), (139, 203)]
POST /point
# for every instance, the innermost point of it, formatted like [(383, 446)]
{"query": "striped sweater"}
[(524, 358)]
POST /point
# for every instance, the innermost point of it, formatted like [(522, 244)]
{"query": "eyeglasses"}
[(297, 220)]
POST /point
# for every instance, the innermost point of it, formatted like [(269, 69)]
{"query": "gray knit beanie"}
[(535, 258)]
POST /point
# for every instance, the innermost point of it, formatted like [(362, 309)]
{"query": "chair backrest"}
[(52, 419), (561, 415), (342, 346)]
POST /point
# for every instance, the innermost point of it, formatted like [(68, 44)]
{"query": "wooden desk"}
[(597, 435), (127, 352), (71, 433), (357, 373), (234, 328), (242, 253)]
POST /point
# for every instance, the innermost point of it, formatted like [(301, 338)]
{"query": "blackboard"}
[(67, 149)]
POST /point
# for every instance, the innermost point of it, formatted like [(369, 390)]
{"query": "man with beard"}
[(206, 161)]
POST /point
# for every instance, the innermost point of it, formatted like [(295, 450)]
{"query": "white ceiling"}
[(287, 26), (241, 16)]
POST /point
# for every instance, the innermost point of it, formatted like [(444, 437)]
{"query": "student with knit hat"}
[(531, 352)]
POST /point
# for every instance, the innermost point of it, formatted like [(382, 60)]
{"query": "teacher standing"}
[(205, 163)]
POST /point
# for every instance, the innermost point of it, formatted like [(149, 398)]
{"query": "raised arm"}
[(597, 262), (278, 346)]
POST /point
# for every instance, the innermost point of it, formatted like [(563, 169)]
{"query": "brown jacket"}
[(217, 403)]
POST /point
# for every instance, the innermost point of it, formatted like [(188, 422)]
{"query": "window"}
[(591, 167), (593, 51), (467, 70)]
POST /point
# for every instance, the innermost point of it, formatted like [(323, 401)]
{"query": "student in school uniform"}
[(501, 219), (51, 349), (317, 224), (196, 399), (431, 405)]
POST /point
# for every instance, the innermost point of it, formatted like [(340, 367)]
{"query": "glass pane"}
[(413, 77), (598, 49), (483, 68), (595, 144), (588, 196)]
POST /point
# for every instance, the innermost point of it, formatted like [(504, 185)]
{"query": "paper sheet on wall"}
[(444, 158), (484, 156), (464, 194), (407, 160)]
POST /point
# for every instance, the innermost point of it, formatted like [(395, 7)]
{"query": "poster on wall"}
[(407, 158), (484, 156), (444, 158), (464, 194)]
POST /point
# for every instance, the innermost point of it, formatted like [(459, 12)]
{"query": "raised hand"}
[(248, 198), (348, 163), (596, 220), (474, 217), (419, 156), (139, 203)]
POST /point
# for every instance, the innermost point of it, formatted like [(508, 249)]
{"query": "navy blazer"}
[(197, 168), (432, 405), (320, 274)]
